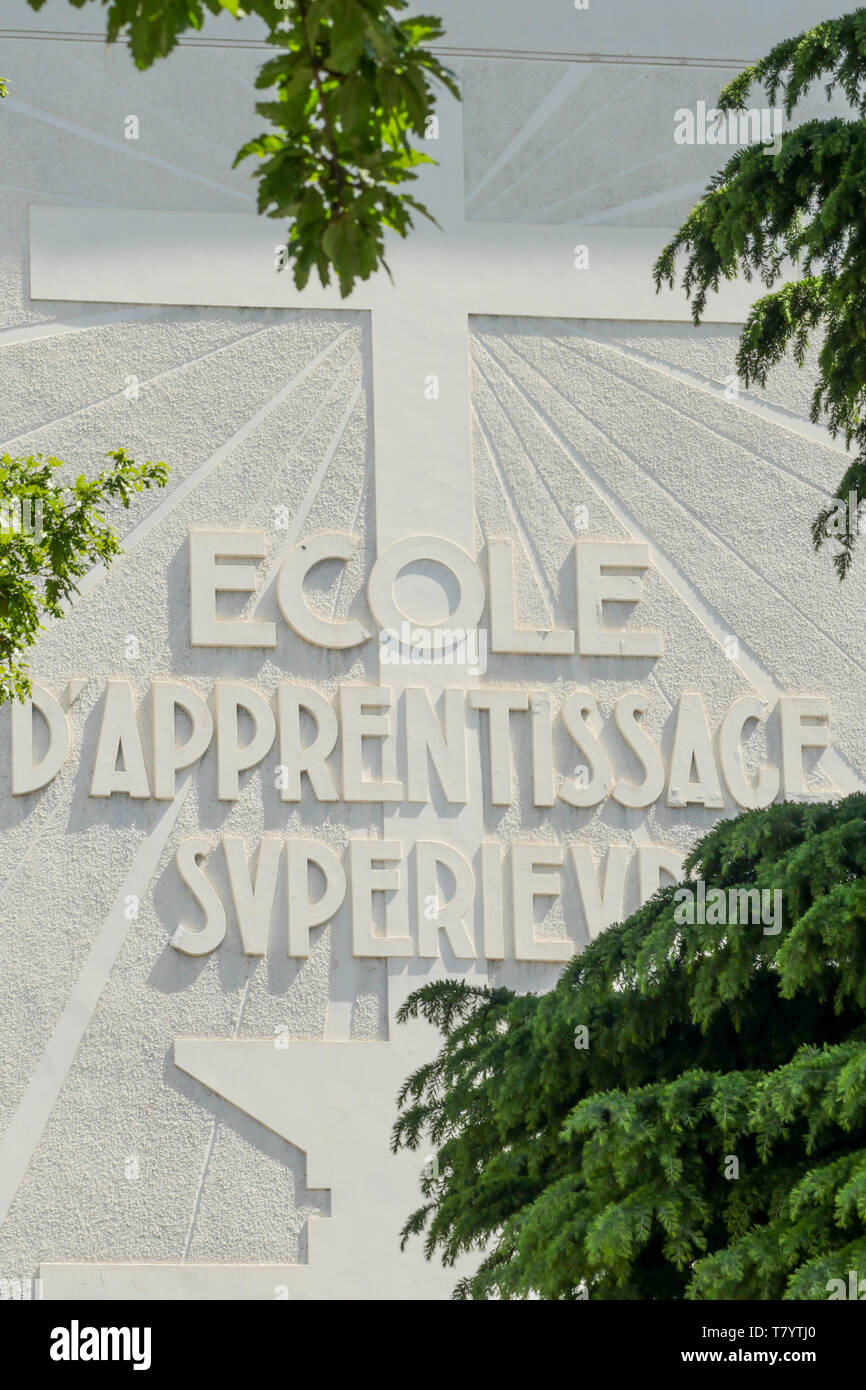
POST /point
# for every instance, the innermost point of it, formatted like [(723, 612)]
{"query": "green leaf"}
[(342, 245)]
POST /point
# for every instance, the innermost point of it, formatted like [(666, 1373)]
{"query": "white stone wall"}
[(256, 408)]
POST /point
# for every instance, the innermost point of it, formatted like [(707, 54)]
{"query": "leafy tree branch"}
[(585, 1137), (51, 535), (355, 86), (802, 208)]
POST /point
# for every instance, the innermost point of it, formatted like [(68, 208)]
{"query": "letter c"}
[(322, 632)]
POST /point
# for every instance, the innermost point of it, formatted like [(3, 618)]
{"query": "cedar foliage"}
[(601, 1172), (799, 214)]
